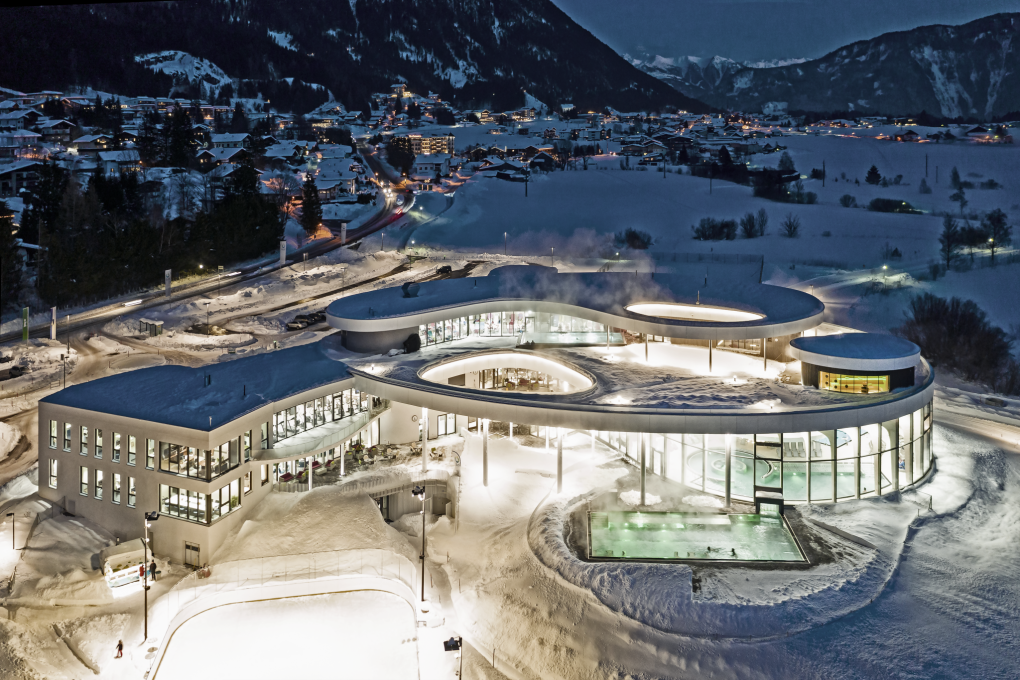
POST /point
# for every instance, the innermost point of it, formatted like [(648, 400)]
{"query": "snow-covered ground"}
[(366, 634)]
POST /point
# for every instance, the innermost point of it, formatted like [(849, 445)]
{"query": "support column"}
[(607, 336), (559, 460), (710, 343), (729, 467), (485, 452), (683, 459), (765, 351), (643, 461), (646, 347), (895, 467), (857, 467), (310, 461), (424, 440), (807, 471), (342, 455), (592, 441), (511, 431), (910, 452), (546, 437)]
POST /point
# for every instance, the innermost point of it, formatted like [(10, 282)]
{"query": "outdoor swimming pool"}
[(691, 536)]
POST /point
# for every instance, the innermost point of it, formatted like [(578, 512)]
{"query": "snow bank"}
[(302, 526), (9, 438)]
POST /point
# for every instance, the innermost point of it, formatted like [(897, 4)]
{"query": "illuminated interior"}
[(853, 384), (672, 310), (514, 371)]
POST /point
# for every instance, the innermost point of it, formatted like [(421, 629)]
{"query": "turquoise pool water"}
[(691, 535)]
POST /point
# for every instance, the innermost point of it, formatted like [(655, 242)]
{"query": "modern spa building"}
[(735, 389)]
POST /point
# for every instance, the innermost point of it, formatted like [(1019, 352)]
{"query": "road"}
[(387, 214)]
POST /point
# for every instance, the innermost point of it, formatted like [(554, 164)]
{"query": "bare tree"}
[(790, 226)]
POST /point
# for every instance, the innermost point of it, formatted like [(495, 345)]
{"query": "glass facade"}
[(183, 504), (504, 324), (820, 466), (319, 411), (853, 384)]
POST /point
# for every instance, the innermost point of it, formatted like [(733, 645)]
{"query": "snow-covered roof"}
[(177, 395), (229, 137), (602, 297), (124, 156), (857, 351)]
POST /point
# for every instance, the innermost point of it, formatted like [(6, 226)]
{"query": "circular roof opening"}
[(682, 312), (524, 370)]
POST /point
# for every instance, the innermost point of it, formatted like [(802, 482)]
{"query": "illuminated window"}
[(853, 384)]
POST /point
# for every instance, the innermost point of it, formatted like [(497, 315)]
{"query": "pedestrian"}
[(120, 649), (152, 571)]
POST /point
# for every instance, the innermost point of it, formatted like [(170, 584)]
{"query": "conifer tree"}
[(873, 176), (311, 206)]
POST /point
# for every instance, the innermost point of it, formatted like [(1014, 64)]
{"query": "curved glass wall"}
[(818, 467)]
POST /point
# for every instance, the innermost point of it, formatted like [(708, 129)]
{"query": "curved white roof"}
[(731, 310), (857, 351)]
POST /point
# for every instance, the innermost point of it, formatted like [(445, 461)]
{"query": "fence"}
[(266, 577)]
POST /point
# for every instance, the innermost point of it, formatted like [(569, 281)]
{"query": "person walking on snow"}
[(120, 649), (152, 571)]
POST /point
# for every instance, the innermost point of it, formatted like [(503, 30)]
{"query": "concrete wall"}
[(397, 426)]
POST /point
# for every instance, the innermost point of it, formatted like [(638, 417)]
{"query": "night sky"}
[(762, 29)]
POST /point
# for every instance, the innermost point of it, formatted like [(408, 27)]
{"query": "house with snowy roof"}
[(116, 162), (241, 140)]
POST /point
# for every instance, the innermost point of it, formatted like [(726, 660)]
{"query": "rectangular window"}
[(183, 504), (265, 435), (116, 447), (132, 449), (131, 492), (265, 474), (83, 481), (84, 440), (53, 434), (99, 485), (247, 482), (99, 443), (53, 473), (150, 453), (67, 436), (116, 488), (246, 443)]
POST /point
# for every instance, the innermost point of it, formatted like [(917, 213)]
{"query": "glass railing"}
[(323, 437)]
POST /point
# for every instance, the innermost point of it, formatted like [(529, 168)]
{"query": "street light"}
[(455, 644), (149, 518), (11, 515), (419, 493), (504, 244), (63, 361)]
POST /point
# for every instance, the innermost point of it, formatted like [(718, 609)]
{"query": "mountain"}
[(473, 52), (964, 71)]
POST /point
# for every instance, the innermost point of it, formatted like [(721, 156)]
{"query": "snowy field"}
[(367, 634)]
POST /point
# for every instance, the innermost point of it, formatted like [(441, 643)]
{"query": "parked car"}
[(445, 269)]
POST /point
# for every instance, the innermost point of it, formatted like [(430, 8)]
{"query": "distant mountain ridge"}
[(967, 71), (475, 52)]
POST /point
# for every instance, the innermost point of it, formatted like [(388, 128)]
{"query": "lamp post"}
[(63, 360), (11, 515), (455, 644), (504, 244), (419, 492), (149, 518)]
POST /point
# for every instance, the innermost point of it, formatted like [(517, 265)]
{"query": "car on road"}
[(445, 269)]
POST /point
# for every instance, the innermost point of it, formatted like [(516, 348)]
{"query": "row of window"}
[(302, 417), (200, 508), (853, 384), (93, 483), (117, 440), (205, 464), (493, 324)]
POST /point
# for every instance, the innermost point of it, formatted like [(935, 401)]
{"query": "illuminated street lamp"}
[(149, 518), (455, 644), (419, 493)]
